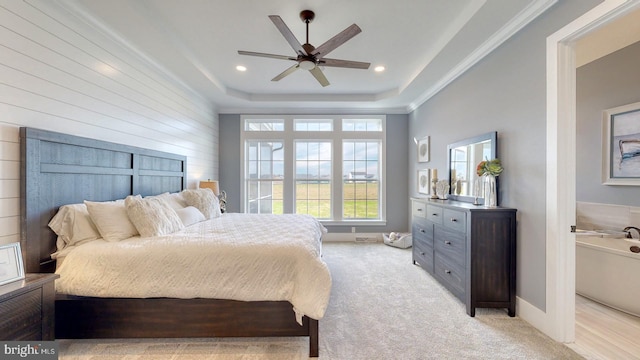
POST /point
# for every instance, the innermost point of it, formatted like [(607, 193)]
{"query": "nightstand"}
[(27, 308)]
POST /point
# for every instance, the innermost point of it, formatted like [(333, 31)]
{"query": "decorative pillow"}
[(73, 225), (152, 216), (174, 200), (111, 219), (190, 215), (204, 200)]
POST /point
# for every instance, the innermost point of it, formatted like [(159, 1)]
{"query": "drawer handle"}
[(418, 209), (447, 242), (422, 231), (423, 254), (435, 214), (454, 220), (447, 271)]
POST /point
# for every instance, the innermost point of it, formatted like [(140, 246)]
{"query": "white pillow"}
[(190, 215), (111, 219), (152, 216), (204, 200), (73, 226), (174, 200)]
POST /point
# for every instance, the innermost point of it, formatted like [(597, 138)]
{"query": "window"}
[(361, 174), (313, 178), (265, 174), (362, 125), (264, 125), (330, 167), (313, 125)]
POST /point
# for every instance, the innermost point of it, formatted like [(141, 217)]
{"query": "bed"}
[(59, 169)]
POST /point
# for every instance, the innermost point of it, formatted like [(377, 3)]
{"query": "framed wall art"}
[(11, 268), (423, 149), (621, 145), (423, 182)]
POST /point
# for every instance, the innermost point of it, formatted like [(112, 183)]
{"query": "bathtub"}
[(608, 272)]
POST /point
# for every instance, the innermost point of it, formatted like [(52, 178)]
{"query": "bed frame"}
[(58, 169)]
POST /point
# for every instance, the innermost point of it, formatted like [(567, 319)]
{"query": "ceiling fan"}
[(309, 57)]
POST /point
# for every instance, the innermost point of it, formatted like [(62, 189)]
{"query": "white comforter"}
[(237, 256)]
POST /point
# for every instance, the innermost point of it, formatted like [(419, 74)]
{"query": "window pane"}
[(313, 124), (264, 174), (361, 187), (264, 125), (362, 125), (313, 178)]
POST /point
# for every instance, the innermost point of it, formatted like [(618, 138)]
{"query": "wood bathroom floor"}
[(603, 333)]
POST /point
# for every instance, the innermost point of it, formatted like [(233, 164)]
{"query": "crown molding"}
[(522, 19)]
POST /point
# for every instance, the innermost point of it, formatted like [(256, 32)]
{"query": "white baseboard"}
[(534, 316), (352, 237)]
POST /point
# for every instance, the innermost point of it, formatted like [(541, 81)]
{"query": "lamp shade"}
[(210, 184)]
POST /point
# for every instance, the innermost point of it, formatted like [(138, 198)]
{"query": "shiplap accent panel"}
[(59, 73)]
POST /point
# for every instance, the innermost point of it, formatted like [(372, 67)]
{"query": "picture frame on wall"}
[(423, 149), (11, 266), (423, 182), (621, 145)]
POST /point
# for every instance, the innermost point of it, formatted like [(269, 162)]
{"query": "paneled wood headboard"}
[(58, 169)]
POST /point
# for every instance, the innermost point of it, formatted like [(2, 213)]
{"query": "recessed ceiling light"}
[(379, 68), (241, 68)]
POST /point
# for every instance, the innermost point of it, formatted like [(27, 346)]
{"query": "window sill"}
[(354, 222)]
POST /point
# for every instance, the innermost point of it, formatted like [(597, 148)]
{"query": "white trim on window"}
[(289, 136)]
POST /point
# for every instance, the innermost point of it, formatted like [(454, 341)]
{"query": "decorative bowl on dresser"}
[(469, 249), (27, 310)]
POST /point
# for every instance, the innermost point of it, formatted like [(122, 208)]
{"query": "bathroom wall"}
[(595, 216), (611, 81)]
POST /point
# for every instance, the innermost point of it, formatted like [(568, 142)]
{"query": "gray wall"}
[(505, 92), (397, 170), (608, 82)]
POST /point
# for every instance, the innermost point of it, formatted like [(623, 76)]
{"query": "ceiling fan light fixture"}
[(308, 57), (379, 68), (307, 65)]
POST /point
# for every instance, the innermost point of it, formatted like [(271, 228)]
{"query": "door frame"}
[(558, 320)]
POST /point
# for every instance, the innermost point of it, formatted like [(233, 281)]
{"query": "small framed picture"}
[(423, 181), (621, 145), (423, 149), (11, 268)]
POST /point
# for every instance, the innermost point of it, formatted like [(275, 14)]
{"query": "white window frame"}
[(289, 136)]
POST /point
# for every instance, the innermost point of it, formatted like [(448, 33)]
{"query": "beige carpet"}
[(382, 307)]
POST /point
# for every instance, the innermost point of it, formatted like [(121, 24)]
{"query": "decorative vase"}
[(490, 196)]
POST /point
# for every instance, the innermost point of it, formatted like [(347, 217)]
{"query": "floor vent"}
[(365, 239)]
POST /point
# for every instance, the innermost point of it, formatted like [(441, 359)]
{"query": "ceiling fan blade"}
[(251, 53), (336, 41), (285, 73), (344, 63), (288, 35), (317, 73)]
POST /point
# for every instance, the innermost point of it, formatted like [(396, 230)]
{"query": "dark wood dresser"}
[(469, 249), (27, 308)]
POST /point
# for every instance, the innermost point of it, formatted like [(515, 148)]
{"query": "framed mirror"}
[(463, 156)]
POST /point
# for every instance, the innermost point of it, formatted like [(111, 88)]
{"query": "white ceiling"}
[(423, 45)]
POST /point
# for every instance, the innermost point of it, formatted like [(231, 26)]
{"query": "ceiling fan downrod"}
[(307, 16)]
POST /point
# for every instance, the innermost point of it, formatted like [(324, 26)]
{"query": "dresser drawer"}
[(422, 230), (418, 209), (434, 213), (450, 244), (451, 275), (455, 220), (423, 255)]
